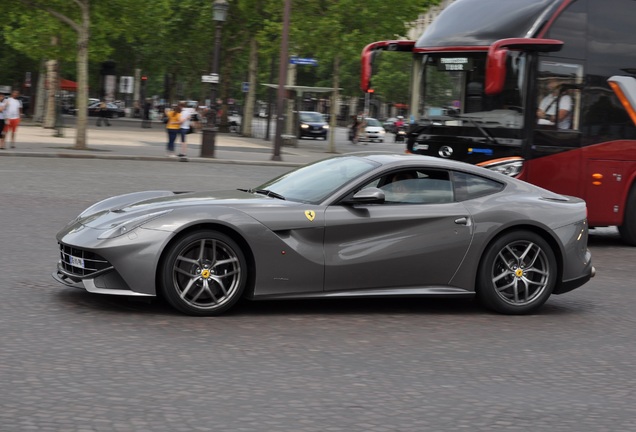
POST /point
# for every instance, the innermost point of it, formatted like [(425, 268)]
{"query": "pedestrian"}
[(186, 117), (103, 114), (12, 114), (146, 123), (3, 104), (173, 125), (353, 133)]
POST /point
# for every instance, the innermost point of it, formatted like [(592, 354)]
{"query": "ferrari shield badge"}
[(310, 215)]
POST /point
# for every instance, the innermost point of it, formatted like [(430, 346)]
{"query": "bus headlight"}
[(511, 166)]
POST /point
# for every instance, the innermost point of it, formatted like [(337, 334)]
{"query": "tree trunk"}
[(334, 107), (51, 80), (248, 109), (40, 95), (82, 78)]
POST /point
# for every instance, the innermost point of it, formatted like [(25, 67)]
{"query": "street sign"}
[(245, 87), (126, 84), (212, 78), (303, 61)]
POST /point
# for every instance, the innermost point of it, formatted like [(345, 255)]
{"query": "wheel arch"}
[(543, 233), (224, 229)]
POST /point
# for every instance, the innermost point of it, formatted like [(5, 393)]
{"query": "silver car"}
[(355, 225)]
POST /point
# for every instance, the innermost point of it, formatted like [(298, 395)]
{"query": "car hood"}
[(117, 210)]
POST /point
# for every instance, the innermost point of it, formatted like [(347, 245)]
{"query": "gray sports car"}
[(355, 225)]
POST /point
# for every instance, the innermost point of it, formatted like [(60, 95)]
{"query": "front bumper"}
[(106, 283), (131, 261)]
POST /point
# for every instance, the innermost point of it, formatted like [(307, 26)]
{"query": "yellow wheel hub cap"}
[(205, 274), (519, 273)]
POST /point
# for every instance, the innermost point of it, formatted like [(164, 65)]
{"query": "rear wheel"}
[(517, 273), (203, 273), (628, 229)]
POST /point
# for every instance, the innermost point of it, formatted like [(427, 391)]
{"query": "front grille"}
[(79, 262)]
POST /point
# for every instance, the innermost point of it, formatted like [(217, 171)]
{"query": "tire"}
[(517, 273), (203, 273), (628, 229)]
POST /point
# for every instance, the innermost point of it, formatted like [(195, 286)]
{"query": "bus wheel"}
[(628, 229)]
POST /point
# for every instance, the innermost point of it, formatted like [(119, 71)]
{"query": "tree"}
[(341, 28), (74, 17)]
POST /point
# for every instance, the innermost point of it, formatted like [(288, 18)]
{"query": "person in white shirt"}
[(186, 116), (547, 114), (12, 115), (3, 104)]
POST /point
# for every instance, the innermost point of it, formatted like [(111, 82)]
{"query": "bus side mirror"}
[(498, 51), (496, 71)]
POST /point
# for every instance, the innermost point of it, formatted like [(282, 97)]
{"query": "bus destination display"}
[(455, 64)]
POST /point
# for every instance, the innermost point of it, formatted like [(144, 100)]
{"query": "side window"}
[(415, 186), (469, 186), (559, 103)]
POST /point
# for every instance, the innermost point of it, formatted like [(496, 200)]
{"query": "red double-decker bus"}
[(521, 87)]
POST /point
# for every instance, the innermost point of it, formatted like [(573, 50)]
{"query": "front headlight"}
[(130, 224), (511, 166), (325, 127), (304, 126)]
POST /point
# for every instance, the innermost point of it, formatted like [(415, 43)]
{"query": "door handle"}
[(461, 221)]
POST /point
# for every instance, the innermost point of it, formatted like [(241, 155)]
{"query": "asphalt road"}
[(72, 361)]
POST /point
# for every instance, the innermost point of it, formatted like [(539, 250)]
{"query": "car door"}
[(399, 243)]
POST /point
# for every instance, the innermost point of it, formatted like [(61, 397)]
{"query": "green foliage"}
[(175, 39), (393, 76)]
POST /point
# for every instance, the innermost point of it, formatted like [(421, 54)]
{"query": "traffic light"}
[(144, 78), (370, 90)]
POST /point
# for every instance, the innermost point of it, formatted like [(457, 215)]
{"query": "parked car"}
[(373, 131), (366, 224), (312, 124), (113, 110)]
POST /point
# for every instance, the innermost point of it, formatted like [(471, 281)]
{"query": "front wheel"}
[(203, 273), (517, 273), (628, 229)]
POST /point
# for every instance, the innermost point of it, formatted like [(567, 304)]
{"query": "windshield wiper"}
[(483, 131), (268, 193)]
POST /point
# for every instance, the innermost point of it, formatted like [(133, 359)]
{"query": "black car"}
[(312, 124), (113, 110)]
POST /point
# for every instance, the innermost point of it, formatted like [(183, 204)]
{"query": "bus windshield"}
[(452, 91)]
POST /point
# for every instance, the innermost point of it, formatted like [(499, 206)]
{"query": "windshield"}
[(452, 91), (311, 117), (373, 122), (313, 183)]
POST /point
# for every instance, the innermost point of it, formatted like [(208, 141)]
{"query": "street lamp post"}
[(208, 137)]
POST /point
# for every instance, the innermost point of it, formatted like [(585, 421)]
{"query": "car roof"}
[(398, 159)]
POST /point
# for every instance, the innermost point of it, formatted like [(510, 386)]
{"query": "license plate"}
[(75, 261)]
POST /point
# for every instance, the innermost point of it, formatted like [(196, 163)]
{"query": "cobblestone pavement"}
[(72, 361)]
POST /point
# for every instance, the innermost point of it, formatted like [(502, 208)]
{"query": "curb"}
[(152, 159)]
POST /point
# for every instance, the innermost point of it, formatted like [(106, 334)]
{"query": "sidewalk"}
[(150, 144)]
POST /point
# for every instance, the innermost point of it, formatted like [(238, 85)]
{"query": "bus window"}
[(452, 91), (559, 102)]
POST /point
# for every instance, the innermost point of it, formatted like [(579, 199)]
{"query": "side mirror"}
[(498, 51), (370, 195)]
